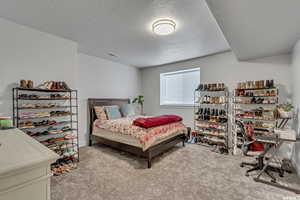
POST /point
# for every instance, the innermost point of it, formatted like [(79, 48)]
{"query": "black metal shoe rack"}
[(65, 100), (212, 128), (254, 99)]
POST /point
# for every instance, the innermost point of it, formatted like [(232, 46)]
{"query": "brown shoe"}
[(29, 84), (23, 84), (53, 86)]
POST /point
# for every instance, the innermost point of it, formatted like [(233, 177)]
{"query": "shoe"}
[(208, 100), (65, 86), (53, 85), (30, 84), (213, 112), (263, 84), (260, 100), (273, 93), (70, 137), (271, 82), (23, 84), (65, 128), (198, 112), (253, 100), (268, 84)]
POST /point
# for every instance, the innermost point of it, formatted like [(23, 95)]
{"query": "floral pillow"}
[(100, 112)]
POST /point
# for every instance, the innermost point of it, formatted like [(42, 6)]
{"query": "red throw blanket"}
[(156, 121)]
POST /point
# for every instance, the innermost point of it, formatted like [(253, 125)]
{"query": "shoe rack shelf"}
[(40, 108), (43, 90), (254, 104), (46, 125), (53, 124), (211, 115)]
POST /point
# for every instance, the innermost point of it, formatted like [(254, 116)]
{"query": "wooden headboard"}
[(101, 102)]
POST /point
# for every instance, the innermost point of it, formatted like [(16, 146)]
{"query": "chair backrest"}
[(242, 130), (247, 141)]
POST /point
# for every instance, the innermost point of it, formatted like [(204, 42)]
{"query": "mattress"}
[(117, 137), (122, 130)]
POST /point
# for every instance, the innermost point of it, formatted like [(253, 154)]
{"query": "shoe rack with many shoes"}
[(50, 115), (211, 115), (254, 104)]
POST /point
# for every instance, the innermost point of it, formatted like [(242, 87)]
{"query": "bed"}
[(126, 142)]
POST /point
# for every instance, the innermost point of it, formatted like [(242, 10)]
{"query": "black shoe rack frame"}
[(205, 138), (70, 104)]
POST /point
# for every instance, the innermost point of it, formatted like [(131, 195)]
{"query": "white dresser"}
[(24, 167)]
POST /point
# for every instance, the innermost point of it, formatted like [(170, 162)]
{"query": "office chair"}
[(246, 140), (259, 165)]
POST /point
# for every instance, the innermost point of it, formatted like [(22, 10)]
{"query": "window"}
[(177, 88)]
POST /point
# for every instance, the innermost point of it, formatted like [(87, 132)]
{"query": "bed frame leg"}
[(90, 142), (149, 159)]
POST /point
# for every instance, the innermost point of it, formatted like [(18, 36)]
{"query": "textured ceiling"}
[(123, 27), (258, 28)]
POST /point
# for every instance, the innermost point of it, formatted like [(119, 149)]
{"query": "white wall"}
[(222, 67), (29, 54), (99, 78), (296, 97)]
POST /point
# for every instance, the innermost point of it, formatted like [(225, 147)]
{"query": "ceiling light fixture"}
[(164, 27)]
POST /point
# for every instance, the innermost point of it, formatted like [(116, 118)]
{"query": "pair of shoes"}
[(269, 83), (61, 85), (52, 130), (54, 85), (257, 100), (26, 124), (70, 137), (46, 85), (26, 84), (59, 113), (66, 128), (30, 96)]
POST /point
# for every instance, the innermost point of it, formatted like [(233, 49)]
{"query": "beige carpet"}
[(191, 172)]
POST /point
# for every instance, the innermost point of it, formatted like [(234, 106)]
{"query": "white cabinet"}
[(24, 167)]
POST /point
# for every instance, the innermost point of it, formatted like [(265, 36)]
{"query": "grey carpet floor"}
[(191, 172)]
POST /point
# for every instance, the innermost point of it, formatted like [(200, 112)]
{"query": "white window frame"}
[(175, 72)]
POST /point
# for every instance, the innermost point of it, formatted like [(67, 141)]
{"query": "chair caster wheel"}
[(241, 165), (281, 175)]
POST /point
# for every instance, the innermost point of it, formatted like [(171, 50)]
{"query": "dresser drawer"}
[(36, 190), (24, 167), (23, 180)]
